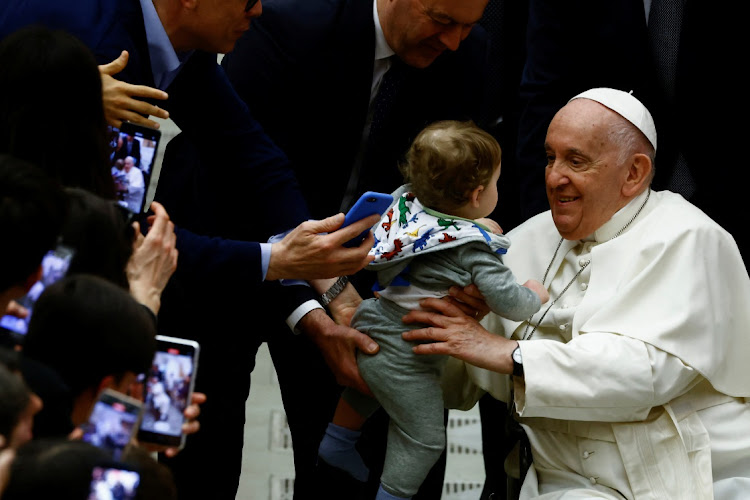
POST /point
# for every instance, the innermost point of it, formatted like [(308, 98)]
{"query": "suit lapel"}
[(123, 29)]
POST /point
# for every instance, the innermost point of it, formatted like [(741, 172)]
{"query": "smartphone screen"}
[(112, 422), (113, 482), (168, 389), (132, 157), (54, 266)]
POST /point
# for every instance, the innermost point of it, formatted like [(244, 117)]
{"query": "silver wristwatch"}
[(517, 362), (334, 291)]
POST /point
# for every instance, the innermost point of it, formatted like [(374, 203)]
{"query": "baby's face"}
[(488, 197)]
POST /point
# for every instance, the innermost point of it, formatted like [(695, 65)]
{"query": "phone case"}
[(113, 422), (368, 204), (167, 393), (136, 201)]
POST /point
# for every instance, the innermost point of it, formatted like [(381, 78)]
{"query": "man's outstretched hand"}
[(314, 250), (124, 101)]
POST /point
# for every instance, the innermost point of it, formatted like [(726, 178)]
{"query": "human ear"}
[(639, 173), (476, 195)]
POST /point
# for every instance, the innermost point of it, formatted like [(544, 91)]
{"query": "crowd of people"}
[(618, 368)]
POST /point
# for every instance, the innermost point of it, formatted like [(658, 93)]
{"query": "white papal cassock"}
[(635, 382)]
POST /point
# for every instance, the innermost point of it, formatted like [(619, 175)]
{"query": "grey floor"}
[(267, 467)]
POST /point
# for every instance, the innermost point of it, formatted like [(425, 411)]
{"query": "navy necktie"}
[(384, 100)]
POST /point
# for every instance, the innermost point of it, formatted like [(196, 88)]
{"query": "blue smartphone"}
[(368, 204)]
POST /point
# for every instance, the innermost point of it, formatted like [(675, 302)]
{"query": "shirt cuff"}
[(299, 313), (265, 258)]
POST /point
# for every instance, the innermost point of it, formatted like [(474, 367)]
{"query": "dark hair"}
[(51, 110), (157, 481), (61, 468), (14, 398), (447, 161), (99, 232), (86, 328), (58, 468), (32, 209)]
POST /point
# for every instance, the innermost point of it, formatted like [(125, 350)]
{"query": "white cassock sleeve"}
[(601, 377)]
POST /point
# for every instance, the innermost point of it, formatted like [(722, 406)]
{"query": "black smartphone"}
[(113, 422), (132, 157), (368, 204), (54, 266), (168, 389), (113, 481)]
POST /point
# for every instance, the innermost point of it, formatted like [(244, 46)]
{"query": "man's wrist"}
[(294, 320), (333, 291), (517, 361)]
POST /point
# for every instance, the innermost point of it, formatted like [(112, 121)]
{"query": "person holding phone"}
[(31, 216), (63, 468), (246, 191), (434, 236), (89, 335)]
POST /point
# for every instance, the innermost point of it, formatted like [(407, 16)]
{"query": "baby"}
[(429, 240)]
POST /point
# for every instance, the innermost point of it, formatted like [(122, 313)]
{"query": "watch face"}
[(517, 355)]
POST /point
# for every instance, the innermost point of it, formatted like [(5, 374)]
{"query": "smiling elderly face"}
[(420, 30), (585, 175)]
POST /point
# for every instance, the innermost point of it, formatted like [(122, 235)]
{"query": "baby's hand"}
[(491, 224), (537, 287)]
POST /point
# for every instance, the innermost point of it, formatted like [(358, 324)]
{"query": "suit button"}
[(583, 262), (584, 286), (586, 454), (592, 479)]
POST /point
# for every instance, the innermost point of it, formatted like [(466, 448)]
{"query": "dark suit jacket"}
[(305, 70), (237, 185), (135, 151)]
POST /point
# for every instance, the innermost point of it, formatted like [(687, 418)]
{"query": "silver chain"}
[(544, 279)]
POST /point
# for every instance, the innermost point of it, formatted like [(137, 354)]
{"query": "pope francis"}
[(633, 381)]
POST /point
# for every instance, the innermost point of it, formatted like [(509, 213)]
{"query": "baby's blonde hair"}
[(447, 161)]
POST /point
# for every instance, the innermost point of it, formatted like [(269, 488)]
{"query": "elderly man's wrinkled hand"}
[(453, 333), (491, 224), (123, 101), (470, 300)]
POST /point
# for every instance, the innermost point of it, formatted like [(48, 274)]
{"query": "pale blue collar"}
[(165, 62)]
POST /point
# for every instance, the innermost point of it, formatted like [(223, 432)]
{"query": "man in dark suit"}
[(130, 147), (343, 93), (241, 188)]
